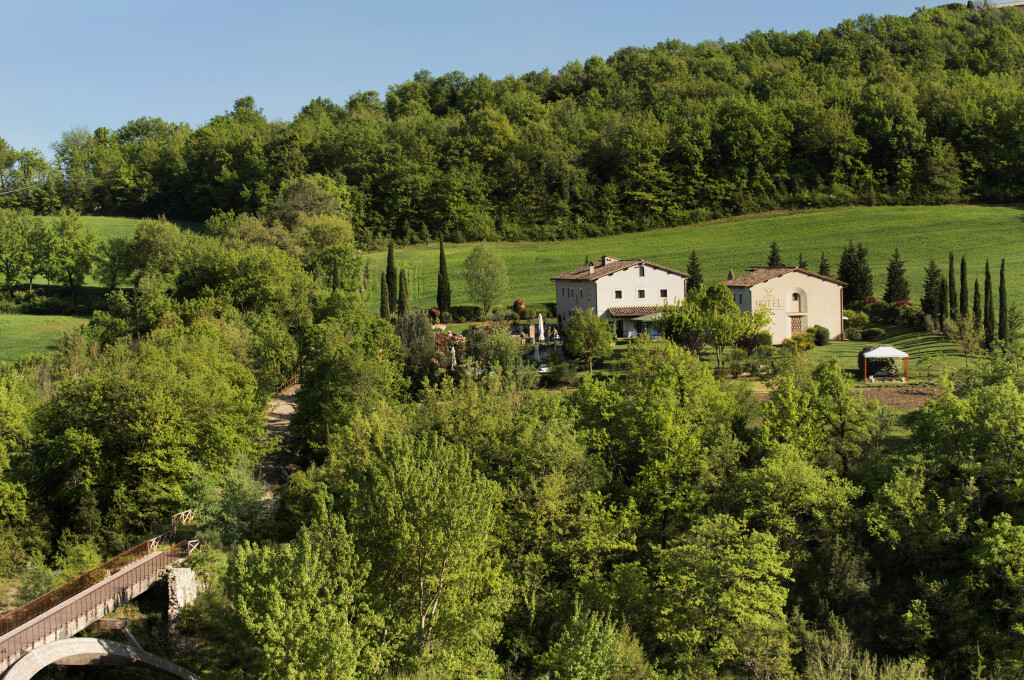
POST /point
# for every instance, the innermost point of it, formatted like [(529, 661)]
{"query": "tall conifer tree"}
[(385, 297), (444, 288), (696, 280), (854, 271), (931, 300), (944, 303), (978, 316), (896, 286), (403, 292), (963, 287), (801, 262), (990, 316), (867, 281), (774, 256), (1004, 319), (392, 278), (954, 301), (824, 268)]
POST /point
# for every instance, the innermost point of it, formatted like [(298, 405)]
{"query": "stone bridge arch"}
[(90, 652)]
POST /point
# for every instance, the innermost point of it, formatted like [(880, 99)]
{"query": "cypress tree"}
[(824, 268), (990, 317), (444, 288), (1004, 320), (696, 281), (944, 303), (896, 286), (931, 301), (953, 299), (385, 297), (801, 262), (963, 287), (977, 305), (403, 293), (774, 256), (392, 278)]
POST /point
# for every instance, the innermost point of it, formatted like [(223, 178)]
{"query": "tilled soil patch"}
[(903, 398)]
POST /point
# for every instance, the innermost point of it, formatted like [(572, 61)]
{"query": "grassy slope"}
[(921, 233), (924, 350), (22, 334)]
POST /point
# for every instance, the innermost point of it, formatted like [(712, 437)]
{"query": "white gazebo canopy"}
[(886, 353)]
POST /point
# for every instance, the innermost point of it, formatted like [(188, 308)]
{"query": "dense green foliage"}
[(918, 109)]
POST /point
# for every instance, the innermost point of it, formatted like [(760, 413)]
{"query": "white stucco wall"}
[(820, 303), (572, 294), (631, 283)]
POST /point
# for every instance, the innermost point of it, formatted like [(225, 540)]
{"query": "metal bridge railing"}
[(86, 580), (85, 602)]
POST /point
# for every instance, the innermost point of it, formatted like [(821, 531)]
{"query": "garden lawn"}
[(924, 349), (22, 334), (920, 232)]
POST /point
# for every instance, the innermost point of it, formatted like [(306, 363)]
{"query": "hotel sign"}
[(769, 300)]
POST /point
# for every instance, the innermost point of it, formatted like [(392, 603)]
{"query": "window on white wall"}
[(641, 294), (618, 295), (641, 270), (664, 292)]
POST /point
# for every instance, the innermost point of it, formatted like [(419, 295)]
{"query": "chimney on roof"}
[(605, 259), (591, 267), (731, 275)]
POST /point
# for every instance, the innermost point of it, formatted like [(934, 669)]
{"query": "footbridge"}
[(40, 632)]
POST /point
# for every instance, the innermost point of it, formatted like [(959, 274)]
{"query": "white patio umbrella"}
[(540, 327)]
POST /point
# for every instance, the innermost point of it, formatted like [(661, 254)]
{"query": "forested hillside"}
[(891, 110)]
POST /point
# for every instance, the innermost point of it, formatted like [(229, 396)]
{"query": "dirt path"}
[(275, 468)]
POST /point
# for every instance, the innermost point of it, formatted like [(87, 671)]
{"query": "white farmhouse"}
[(630, 292), (797, 299)]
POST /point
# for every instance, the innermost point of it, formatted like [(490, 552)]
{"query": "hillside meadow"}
[(921, 233), (22, 334)]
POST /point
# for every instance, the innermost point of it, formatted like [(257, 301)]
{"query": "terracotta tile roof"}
[(630, 312), (585, 273), (756, 275)]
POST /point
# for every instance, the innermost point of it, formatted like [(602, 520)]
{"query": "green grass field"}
[(921, 233), (22, 334)]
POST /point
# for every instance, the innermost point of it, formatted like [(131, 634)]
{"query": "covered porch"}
[(632, 321)]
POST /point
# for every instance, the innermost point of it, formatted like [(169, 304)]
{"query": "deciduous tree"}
[(486, 277), (587, 336)]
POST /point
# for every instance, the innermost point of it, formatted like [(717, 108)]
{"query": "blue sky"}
[(70, 63)]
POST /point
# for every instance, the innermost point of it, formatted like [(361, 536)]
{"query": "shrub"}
[(874, 333), (519, 307), (802, 342), (755, 340), (822, 335), (854, 334), (876, 311), (855, 320), (889, 365), (461, 313)]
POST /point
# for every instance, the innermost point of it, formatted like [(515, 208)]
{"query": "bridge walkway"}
[(60, 615)]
